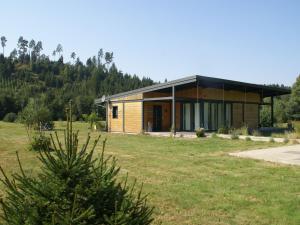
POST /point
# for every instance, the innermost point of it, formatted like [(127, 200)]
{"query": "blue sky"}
[(252, 41)]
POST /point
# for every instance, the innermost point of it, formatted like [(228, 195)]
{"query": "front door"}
[(157, 117)]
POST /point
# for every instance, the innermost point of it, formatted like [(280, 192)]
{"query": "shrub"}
[(91, 119), (10, 117), (101, 125), (245, 130), (73, 187), (40, 142), (234, 136), (200, 132), (214, 135), (35, 116), (271, 140), (256, 133), (297, 127), (242, 130), (247, 139), (223, 130)]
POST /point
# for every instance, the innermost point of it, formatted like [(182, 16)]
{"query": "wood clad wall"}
[(133, 117), (210, 94), (156, 94), (129, 97), (237, 115), (217, 94), (115, 125), (251, 115), (166, 114)]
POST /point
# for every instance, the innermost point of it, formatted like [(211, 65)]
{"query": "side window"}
[(115, 112)]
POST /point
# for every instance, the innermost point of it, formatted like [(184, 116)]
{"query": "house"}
[(187, 104)]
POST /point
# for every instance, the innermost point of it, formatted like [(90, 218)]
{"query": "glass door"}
[(221, 122), (187, 116), (206, 116), (214, 116), (228, 115), (197, 116)]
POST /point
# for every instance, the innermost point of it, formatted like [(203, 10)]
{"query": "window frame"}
[(115, 112)]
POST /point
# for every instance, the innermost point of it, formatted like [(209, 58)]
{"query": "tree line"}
[(27, 73)]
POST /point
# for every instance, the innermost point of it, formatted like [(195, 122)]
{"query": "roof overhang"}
[(206, 82)]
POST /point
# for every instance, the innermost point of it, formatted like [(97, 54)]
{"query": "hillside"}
[(26, 75)]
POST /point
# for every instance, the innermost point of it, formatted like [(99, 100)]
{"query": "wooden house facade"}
[(187, 104)]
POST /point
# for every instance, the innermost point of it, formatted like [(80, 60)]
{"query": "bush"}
[(244, 130), (40, 142), (296, 126), (214, 135), (35, 116), (265, 116), (10, 117), (247, 139), (234, 136), (200, 132), (256, 133), (101, 125), (223, 130), (73, 187)]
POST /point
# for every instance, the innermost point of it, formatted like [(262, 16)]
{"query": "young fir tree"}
[(73, 187)]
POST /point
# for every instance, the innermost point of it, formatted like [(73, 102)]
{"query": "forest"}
[(27, 74)]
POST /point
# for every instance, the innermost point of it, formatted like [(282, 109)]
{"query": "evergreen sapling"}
[(73, 187)]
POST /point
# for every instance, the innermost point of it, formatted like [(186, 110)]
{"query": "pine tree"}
[(73, 187)]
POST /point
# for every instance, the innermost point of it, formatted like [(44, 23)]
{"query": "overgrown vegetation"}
[(72, 188), (10, 117), (200, 132), (40, 142), (223, 130)]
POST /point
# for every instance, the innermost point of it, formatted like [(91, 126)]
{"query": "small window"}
[(115, 112)]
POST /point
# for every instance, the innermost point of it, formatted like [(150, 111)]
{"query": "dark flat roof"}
[(203, 81)]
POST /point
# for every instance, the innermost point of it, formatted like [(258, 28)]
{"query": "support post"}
[(123, 119), (173, 111), (106, 111), (142, 125), (272, 111)]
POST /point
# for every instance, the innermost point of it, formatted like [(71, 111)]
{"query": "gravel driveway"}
[(285, 154)]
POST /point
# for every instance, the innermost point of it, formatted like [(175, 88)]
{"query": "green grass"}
[(189, 181)]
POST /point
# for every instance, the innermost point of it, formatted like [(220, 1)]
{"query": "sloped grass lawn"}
[(189, 181)]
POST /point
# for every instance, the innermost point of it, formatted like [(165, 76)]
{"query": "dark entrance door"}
[(157, 117)]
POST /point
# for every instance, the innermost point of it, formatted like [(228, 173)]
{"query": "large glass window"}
[(187, 116), (221, 122), (209, 115), (197, 115), (214, 116), (228, 114), (206, 115)]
